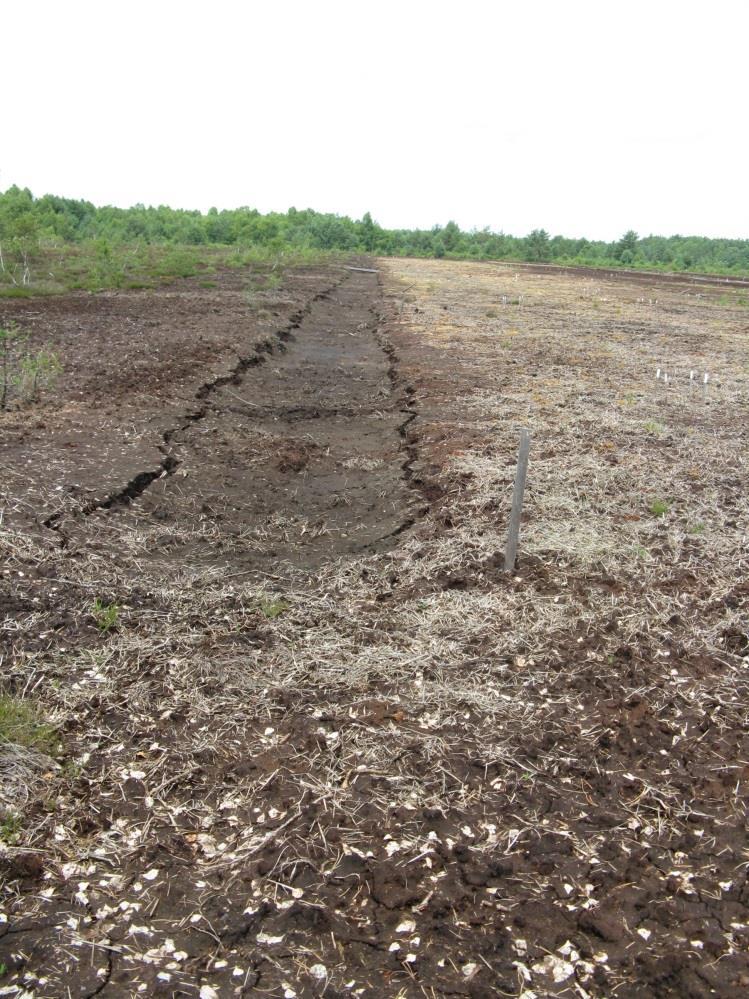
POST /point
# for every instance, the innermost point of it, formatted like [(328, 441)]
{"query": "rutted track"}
[(138, 484), (298, 454), (300, 451)]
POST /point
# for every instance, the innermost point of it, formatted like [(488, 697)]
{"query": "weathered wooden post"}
[(511, 550)]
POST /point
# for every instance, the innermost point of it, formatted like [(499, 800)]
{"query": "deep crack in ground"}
[(301, 451)]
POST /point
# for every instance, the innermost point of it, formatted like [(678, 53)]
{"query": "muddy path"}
[(263, 443), (297, 456)]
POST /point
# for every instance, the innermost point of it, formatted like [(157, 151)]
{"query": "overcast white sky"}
[(585, 118)]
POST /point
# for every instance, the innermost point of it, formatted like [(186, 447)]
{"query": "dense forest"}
[(31, 226)]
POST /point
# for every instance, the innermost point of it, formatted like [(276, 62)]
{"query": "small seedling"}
[(659, 507), (105, 615), (27, 373), (10, 832), (273, 608), (37, 371), (698, 528), (653, 427), (22, 725), (11, 339)]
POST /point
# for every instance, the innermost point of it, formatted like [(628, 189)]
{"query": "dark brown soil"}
[(294, 438), (329, 747), (301, 456)]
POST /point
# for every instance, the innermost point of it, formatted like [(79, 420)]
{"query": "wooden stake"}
[(516, 513)]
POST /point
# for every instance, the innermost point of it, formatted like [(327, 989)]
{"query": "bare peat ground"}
[(326, 746)]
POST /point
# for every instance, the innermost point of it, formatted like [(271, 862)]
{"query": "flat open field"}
[(308, 738)]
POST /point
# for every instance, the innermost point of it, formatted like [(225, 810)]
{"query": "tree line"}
[(29, 224)]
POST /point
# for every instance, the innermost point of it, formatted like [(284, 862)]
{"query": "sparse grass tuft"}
[(659, 507), (21, 724), (655, 428), (105, 615), (10, 833), (272, 608)]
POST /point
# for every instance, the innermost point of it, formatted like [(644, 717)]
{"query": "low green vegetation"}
[(653, 427), (272, 607), (10, 832), (22, 725), (105, 615), (36, 372), (24, 374), (659, 507), (273, 281), (52, 244)]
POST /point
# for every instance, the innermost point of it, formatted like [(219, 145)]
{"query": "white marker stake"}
[(658, 374), (511, 550)]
